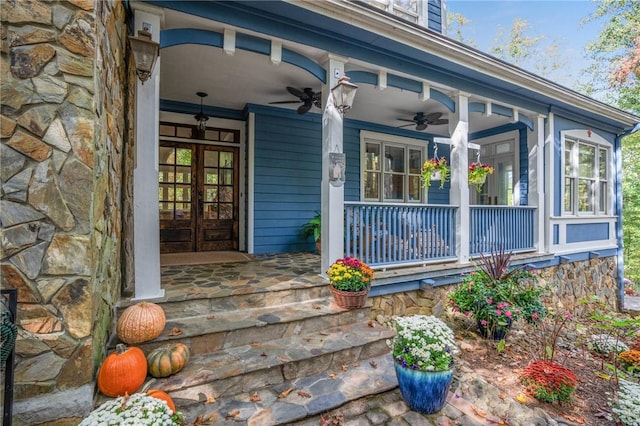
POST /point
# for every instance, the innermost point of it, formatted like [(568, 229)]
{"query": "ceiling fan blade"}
[(433, 116), (439, 122), (284, 102), (404, 119), (406, 125), (421, 126), (295, 92), (302, 109)]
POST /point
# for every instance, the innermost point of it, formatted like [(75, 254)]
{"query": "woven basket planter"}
[(349, 299)]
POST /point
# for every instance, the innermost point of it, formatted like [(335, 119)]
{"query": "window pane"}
[(393, 187), (587, 160), (210, 211), (226, 177), (602, 205), (166, 155), (183, 211), (414, 188), (603, 164), (183, 174), (585, 195), (372, 155), (226, 211), (211, 177), (568, 195), (226, 159), (184, 156), (183, 193), (166, 211), (211, 158), (371, 185), (163, 192), (211, 194), (226, 194), (394, 159), (568, 146), (166, 174), (415, 161)]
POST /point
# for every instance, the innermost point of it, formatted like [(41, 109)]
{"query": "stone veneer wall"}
[(62, 129), (570, 282)]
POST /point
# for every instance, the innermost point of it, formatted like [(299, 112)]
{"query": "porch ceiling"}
[(233, 81)]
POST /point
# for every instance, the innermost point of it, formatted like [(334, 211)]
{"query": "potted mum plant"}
[(349, 282), (140, 408), (478, 173), (434, 169), (423, 351), (495, 295)]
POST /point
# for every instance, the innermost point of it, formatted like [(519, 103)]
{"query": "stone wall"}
[(61, 143), (570, 283)]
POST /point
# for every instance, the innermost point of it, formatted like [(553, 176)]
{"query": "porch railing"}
[(507, 227), (399, 234)]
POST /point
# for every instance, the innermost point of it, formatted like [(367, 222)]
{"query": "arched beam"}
[(403, 83), (179, 36)]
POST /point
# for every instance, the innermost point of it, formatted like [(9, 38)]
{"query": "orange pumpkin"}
[(167, 360), (141, 322), (122, 371), (158, 394)]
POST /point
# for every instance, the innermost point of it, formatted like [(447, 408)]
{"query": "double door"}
[(198, 197)]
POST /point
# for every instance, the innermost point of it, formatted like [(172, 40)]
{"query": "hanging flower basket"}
[(478, 173), (435, 169)]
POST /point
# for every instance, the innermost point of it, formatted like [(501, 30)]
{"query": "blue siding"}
[(287, 179), (587, 232)]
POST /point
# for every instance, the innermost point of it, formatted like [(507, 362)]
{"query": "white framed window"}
[(390, 169), (586, 174)]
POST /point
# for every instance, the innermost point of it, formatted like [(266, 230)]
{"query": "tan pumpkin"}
[(141, 322), (167, 360), (122, 371), (159, 394)]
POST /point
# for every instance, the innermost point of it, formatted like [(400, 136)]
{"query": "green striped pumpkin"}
[(167, 360)]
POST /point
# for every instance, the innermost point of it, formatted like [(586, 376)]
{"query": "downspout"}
[(618, 210)]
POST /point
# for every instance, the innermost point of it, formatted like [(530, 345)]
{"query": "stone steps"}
[(251, 367), (266, 342), (305, 396), (202, 301), (228, 329)]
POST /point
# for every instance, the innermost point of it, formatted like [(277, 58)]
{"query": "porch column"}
[(332, 197), (459, 194), (146, 218), (549, 182), (536, 182)]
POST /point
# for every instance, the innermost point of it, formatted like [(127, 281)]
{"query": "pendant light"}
[(201, 117)]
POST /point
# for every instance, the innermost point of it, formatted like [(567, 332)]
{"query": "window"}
[(586, 176), (391, 171)]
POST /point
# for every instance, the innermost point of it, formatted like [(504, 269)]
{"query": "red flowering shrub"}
[(549, 382)]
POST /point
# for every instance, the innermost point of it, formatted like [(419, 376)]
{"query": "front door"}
[(198, 194)]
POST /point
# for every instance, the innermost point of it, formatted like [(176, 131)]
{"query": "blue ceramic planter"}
[(423, 391)]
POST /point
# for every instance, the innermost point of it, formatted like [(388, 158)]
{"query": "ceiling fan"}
[(307, 96), (422, 120)]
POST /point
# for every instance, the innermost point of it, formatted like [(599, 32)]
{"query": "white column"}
[(459, 194), (549, 144), (536, 182), (146, 219), (332, 197)]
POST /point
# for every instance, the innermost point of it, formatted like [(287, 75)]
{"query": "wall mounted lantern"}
[(343, 94), (145, 54)]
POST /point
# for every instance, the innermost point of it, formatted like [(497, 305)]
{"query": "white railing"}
[(399, 234), (501, 227)]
